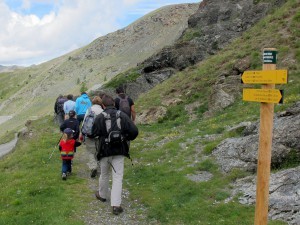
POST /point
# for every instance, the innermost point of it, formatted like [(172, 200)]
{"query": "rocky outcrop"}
[(213, 26), (227, 87), (284, 194), (242, 152)]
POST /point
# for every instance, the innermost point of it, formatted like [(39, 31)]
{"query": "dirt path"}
[(3, 119), (101, 213), (7, 147)]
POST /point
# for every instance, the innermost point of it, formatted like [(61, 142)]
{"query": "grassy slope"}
[(32, 191), (165, 152), (162, 169)]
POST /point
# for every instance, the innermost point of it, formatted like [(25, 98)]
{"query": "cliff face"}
[(215, 24)]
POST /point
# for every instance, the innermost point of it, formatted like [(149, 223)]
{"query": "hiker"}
[(112, 150), (59, 109), (67, 147), (71, 123), (125, 103), (69, 105), (95, 109), (81, 105)]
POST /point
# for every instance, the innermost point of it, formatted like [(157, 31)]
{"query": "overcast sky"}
[(35, 31)]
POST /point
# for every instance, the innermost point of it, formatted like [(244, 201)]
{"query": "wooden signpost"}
[(267, 96)]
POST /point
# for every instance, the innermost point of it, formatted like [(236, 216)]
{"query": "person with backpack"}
[(113, 129), (67, 147), (82, 104), (69, 105), (86, 131), (71, 123), (125, 103), (59, 109)]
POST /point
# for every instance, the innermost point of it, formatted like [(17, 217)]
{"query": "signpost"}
[(267, 96), (263, 95), (265, 77)]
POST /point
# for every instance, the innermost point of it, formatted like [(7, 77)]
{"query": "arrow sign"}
[(265, 77), (263, 95)]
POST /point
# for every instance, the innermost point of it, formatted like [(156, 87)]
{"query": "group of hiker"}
[(106, 126)]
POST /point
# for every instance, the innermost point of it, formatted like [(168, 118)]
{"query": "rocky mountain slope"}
[(215, 24), (31, 92)]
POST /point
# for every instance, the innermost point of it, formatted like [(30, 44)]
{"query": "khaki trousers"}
[(115, 164), (91, 149)]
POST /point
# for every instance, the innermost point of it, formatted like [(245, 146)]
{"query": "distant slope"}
[(31, 92), (9, 68)]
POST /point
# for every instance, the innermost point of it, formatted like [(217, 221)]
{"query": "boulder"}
[(242, 152), (284, 194)]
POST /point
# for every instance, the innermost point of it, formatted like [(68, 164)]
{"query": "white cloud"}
[(28, 38)]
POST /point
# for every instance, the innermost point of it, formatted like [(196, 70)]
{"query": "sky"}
[(36, 31)]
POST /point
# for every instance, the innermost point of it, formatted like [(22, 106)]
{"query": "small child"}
[(67, 147)]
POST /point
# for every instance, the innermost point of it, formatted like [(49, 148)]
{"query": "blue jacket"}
[(82, 104)]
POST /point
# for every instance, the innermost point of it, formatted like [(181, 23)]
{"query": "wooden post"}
[(265, 145)]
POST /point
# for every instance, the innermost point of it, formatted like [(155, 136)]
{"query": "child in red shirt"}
[(67, 147)]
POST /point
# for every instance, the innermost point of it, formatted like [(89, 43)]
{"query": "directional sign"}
[(263, 95), (265, 77)]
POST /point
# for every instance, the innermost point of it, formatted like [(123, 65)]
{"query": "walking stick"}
[(55, 147)]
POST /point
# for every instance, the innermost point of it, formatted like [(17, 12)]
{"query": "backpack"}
[(124, 105), (113, 129), (60, 105), (88, 123)]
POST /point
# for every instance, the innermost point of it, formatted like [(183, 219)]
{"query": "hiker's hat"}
[(68, 131), (72, 113)]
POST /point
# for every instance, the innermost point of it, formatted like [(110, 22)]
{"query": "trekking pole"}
[(55, 146)]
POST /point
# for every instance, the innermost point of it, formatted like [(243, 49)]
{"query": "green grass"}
[(32, 191), (123, 78)]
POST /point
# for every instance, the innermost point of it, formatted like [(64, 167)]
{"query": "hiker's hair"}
[(108, 100), (66, 137), (70, 97), (82, 93), (97, 101), (119, 90)]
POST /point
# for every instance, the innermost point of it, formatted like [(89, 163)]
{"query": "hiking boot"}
[(117, 210), (64, 176), (99, 198), (93, 173)]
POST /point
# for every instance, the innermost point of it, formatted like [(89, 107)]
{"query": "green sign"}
[(270, 57)]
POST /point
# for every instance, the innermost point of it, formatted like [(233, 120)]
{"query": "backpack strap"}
[(107, 121), (118, 119)]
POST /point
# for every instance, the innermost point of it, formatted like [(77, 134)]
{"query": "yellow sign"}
[(263, 95), (265, 77)]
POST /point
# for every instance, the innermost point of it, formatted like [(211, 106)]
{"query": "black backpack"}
[(60, 105), (124, 106), (115, 142), (113, 128)]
